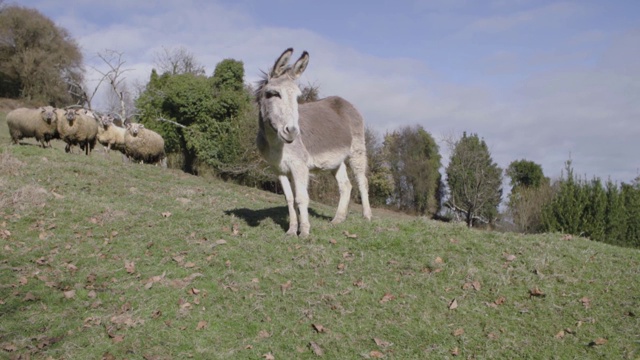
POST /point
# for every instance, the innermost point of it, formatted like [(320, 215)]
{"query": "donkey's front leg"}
[(288, 194), (301, 182)]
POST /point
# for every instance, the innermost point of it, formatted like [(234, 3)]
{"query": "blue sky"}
[(544, 81)]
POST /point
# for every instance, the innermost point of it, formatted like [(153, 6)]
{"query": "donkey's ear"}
[(300, 65), (281, 64)]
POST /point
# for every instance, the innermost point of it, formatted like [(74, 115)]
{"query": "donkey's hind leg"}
[(344, 187), (358, 163)]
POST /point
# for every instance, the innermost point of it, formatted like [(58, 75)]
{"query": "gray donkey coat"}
[(295, 139)]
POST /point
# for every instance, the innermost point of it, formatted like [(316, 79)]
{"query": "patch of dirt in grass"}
[(26, 197), (9, 165)]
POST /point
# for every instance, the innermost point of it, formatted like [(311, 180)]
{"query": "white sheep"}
[(144, 145), (110, 135), (39, 123), (77, 127)]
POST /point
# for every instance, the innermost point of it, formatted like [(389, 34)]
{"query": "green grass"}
[(100, 259)]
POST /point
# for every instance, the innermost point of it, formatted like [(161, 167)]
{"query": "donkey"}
[(315, 136)]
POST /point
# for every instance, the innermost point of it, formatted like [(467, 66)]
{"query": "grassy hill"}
[(105, 260)]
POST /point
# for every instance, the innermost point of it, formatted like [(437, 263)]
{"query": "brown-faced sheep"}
[(144, 145), (39, 123), (78, 127), (110, 135)]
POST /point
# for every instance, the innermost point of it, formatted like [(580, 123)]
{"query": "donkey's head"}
[(277, 97)]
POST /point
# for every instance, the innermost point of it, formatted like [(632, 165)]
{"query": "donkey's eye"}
[(271, 93)]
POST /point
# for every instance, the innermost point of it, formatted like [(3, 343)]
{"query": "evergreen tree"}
[(593, 222), (414, 160), (565, 212), (615, 215), (631, 196), (475, 181)]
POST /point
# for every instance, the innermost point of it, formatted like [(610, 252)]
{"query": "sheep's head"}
[(70, 115), (106, 120), (134, 128), (48, 114)]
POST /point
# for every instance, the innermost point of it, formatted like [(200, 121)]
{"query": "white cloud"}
[(540, 104)]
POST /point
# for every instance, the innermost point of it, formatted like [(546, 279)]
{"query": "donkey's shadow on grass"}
[(279, 215)]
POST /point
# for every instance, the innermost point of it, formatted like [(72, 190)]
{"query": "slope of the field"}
[(105, 260)]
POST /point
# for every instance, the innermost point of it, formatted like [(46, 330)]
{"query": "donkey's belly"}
[(327, 161)]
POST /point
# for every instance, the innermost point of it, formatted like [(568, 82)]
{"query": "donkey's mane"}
[(264, 80)]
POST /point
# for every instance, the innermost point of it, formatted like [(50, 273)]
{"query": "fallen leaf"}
[(286, 286), (69, 294), (453, 304), (536, 292), (376, 354), (166, 214), (501, 300), (316, 348), (381, 343), (333, 241), (567, 237), (319, 328), (458, 332), (117, 339), (386, 298), (269, 356), (108, 356), (201, 325), (235, 230), (509, 257), (586, 302), (359, 284), (263, 334), (9, 347), (560, 334), (455, 351), (130, 266), (598, 341), (476, 285), (350, 236), (439, 260)]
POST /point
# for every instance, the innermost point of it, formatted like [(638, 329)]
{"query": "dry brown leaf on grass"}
[(472, 285), (263, 334), (201, 325), (536, 292), (598, 342), (453, 304), (455, 351), (166, 214), (269, 356), (286, 286), (130, 267), (69, 294), (349, 235), (560, 334), (316, 348), (319, 328), (387, 297), (9, 347), (439, 260), (375, 354), (458, 332), (382, 343), (586, 302)]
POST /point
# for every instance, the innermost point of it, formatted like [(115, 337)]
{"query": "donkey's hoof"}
[(338, 219), (292, 232)]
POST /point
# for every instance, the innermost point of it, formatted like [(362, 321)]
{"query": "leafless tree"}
[(178, 61), (119, 98)]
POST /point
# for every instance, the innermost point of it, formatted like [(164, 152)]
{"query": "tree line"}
[(209, 125)]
